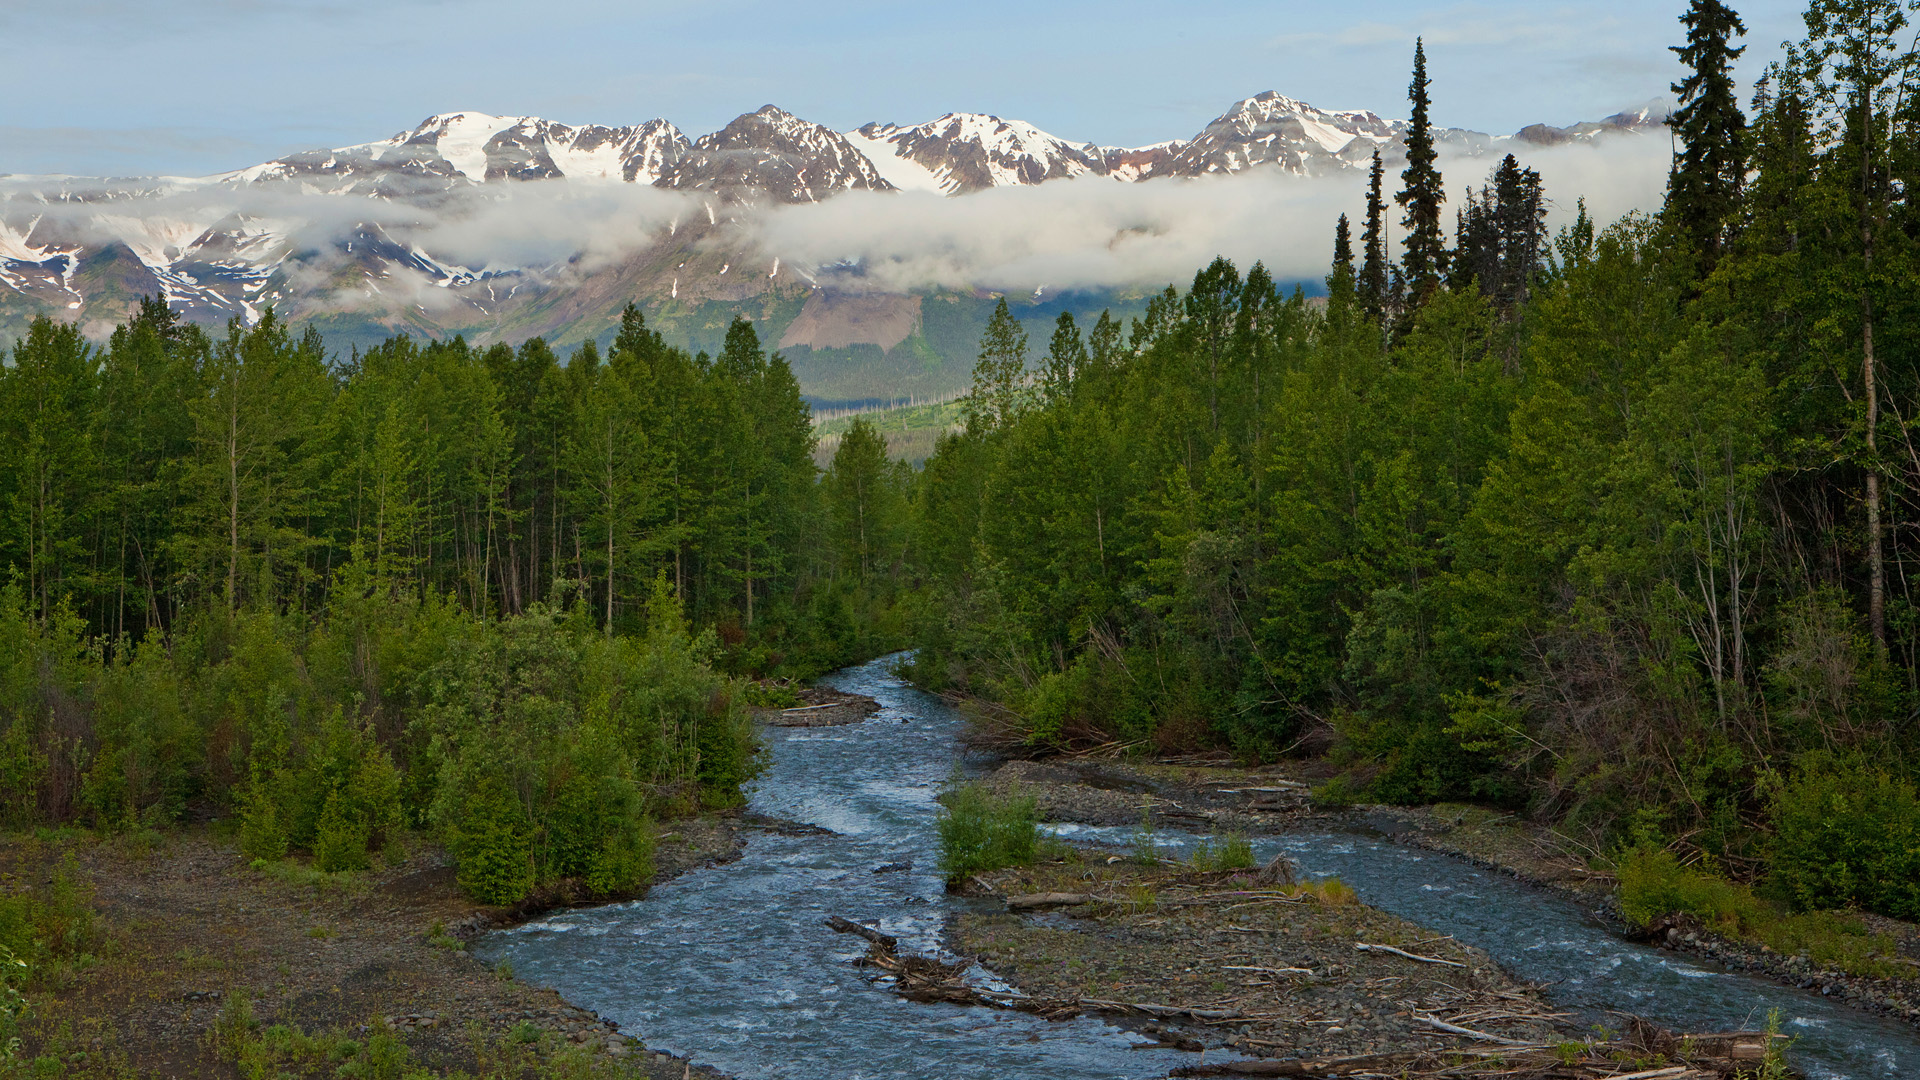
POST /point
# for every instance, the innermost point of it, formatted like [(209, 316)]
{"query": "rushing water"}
[(731, 965)]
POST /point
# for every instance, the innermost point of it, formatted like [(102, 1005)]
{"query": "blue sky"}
[(118, 87)]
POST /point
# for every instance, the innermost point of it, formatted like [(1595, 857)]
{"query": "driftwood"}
[(1455, 1029), (1366, 947), (1031, 901), (1713, 1056), (1718, 1056), (1278, 871), (848, 926)]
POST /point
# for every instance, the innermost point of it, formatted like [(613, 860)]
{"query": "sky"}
[(191, 87)]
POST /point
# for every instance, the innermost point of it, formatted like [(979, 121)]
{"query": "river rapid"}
[(732, 966)]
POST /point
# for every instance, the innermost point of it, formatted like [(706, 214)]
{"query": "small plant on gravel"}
[(524, 1032), (1234, 852), (1329, 891), (438, 937), (982, 831), (322, 932), (503, 971), (232, 1030)]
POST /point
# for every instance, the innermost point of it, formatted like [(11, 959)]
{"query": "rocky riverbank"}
[(195, 953), (1221, 799)]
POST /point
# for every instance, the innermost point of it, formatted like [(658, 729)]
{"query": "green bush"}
[(49, 923), (982, 831), (1847, 836), (1654, 884), (762, 695), (340, 839), (491, 843)]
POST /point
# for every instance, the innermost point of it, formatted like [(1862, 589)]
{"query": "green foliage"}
[(1848, 835), (50, 923), (1233, 852), (491, 839), (1654, 884), (981, 831), (14, 1006), (762, 695)]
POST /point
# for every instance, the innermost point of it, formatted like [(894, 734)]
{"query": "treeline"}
[(1615, 525), (428, 586)]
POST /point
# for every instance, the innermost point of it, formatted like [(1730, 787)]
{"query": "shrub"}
[(491, 843), (50, 922), (1337, 793), (263, 835), (982, 831), (1654, 884), (1845, 836), (771, 696), (340, 840)]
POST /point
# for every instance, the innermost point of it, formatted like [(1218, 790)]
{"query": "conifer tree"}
[(1000, 374), (1710, 167), (1373, 247), (1066, 357), (1343, 246), (1425, 261)]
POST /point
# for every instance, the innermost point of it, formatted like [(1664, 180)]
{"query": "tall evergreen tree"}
[(1710, 167), (999, 377), (1424, 263), (1343, 247), (1501, 237), (1373, 246)]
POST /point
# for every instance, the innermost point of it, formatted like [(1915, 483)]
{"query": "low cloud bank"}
[(1094, 232), (1087, 233)]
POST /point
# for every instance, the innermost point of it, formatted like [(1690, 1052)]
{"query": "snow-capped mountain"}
[(776, 154), (466, 147), (962, 152), (233, 243)]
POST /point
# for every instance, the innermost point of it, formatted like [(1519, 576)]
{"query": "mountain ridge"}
[(334, 234)]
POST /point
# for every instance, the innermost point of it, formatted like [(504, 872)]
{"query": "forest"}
[(483, 593), (1611, 525)]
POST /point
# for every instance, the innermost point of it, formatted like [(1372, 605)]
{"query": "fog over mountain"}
[(505, 227)]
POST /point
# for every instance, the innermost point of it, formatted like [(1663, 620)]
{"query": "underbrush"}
[(1655, 885), (981, 831), (49, 925), (285, 1051)]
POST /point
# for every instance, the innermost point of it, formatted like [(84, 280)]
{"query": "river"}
[(731, 966)]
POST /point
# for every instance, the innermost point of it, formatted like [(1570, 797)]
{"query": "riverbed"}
[(732, 966)]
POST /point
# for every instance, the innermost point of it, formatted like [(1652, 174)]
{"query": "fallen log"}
[(1030, 901), (847, 926)]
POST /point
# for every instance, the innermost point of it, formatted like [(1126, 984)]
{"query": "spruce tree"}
[(1711, 166), (1425, 260), (999, 377), (1343, 246), (1373, 247)]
